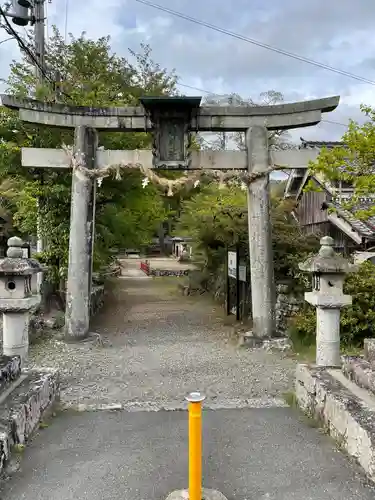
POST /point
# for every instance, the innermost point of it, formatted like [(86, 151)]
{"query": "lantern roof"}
[(327, 261)]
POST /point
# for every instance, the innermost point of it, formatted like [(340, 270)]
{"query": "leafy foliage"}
[(353, 163), (127, 215), (357, 321), (216, 219)]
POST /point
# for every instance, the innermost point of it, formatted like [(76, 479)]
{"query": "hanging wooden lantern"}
[(171, 122)]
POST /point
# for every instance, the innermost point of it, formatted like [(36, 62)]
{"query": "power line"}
[(335, 123), (219, 95), (256, 42), (9, 28), (6, 39)]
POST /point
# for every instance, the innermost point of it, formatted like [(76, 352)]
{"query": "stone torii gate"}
[(172, 120)]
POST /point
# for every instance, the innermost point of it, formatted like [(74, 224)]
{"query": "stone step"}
[(369, 350), (10, 371), (346, 411), (23, 405), (359, 371)]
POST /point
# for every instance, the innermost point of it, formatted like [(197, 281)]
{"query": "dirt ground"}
[(157, 345)]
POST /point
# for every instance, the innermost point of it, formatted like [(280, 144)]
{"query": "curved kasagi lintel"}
[(202, 123), (63, 109), (324, 105), (212, 119), (143, 124)]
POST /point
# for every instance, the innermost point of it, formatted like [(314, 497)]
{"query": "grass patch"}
[(18, 448), (290, 399), (304, 353), (307, 353)]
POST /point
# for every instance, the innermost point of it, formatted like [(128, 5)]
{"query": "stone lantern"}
[(171, 119), (17, 298), (328, 274)]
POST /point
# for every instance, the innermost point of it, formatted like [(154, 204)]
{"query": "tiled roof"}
[(320, 144), (365, 228)]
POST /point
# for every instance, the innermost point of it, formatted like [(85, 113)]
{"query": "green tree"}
[(352, 163), (217, 219), (91, 74)]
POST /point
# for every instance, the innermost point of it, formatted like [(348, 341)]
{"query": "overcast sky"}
[(338, 33)]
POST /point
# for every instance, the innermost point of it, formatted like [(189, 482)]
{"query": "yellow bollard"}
[(195, 445)]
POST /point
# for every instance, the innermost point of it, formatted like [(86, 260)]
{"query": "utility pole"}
[(39, 42), (24, 12), (39, 37)]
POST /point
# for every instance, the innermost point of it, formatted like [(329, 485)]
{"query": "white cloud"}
[(336, 33)]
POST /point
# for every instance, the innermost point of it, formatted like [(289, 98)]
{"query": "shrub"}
[(357, 321), (216, 219)]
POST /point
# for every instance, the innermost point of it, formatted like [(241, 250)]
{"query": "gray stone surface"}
[(10, 370), (327, 261), (247, 454), (278, 344), (207, 494), (360, 371), (260, 241), (97, 299), (347, 412), (369, 350), (282, 344), (158, 346), (22, 407), (287, 304), (19, 266), (328, 271), (217, 160), (78, 283), (280, 116)]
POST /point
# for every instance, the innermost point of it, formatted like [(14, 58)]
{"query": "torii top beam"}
[(209, 118)]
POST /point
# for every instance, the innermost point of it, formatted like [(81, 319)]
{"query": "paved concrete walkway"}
[(259, 454), (158, 346)]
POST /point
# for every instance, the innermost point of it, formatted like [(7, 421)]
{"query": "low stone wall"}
[(369, 350), (38, 322), (146, 268), (348, 415), (97, 299), (168, 272), (10, 370), (287, 304), (28, 397), (360, 371)]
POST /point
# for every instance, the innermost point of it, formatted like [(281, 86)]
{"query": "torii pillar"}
[(260, 238), (81, 237)]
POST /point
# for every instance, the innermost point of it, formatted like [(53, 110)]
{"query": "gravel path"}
[(159, 345)]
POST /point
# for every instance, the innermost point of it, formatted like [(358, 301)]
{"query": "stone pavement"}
[(249, 454)]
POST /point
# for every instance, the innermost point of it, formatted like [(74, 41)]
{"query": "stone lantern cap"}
[(327, 261), (15, 264)]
